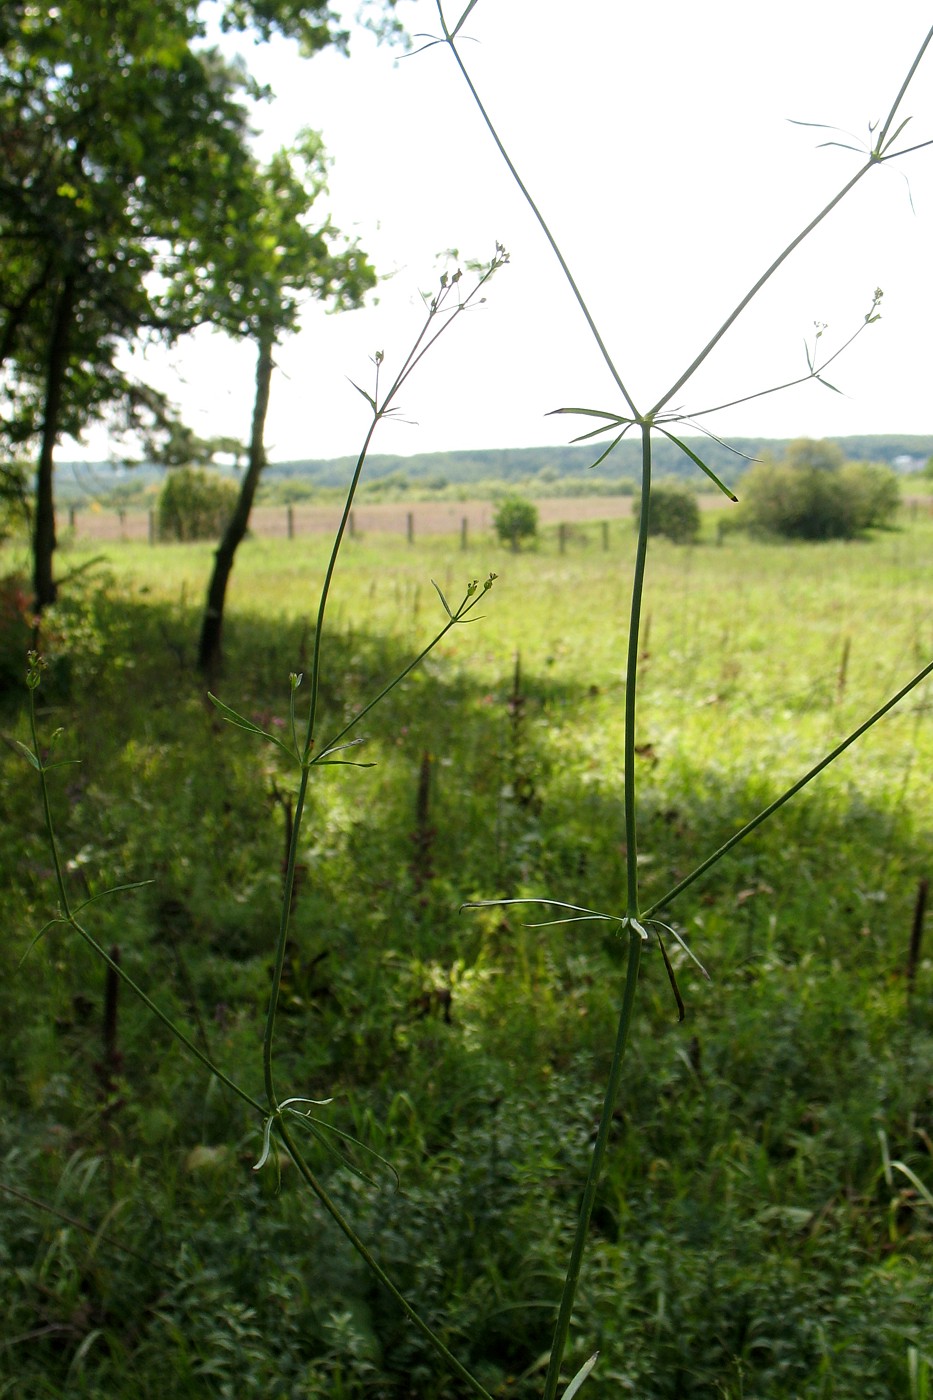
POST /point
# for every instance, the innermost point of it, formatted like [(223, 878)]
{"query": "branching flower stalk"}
[(441, 316), (279, 1116), (657, 419)]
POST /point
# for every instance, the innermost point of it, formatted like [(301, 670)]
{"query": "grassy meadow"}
[(765, 1225)]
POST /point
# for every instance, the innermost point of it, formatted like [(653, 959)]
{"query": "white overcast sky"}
[(656, 141)]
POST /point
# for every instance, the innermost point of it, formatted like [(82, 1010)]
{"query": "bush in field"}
[(516, 520), (814, 494), (673, 512), (194, 505), (875, 493)]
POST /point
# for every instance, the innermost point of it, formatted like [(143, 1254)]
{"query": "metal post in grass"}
[(410, 527), (463, 532), (72, 517), (351, 525), (562, 537), (290, 522), (152, 527), (605, 527), (121, 516)]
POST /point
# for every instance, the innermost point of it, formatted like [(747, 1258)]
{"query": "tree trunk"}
[(56, 366), (209, 648)]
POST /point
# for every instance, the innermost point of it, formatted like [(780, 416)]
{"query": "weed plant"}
[(761, 1223)]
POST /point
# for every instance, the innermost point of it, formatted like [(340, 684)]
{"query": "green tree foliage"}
[(120, 143), (813, 454), (195, 504), (672, 512), (273, 259), (814, 494), (516, 520), (123, 163)]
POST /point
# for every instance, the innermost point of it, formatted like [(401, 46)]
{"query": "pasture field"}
[(765, 1224)]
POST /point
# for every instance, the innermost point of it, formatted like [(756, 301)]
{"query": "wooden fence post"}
[(290, 522), (605, 534), (410, 527), (463, 533)]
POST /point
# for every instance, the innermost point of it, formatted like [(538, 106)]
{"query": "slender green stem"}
[(562, 1329), (459, 616), (328, 577), (344, 1225), (160, 1015), (449, 39), (278, 962), (883, 133), (68, 918), (559, 1344), (876, 158), (631, 678), (792, 791), (750, 295), (46, 807), (423, 342)]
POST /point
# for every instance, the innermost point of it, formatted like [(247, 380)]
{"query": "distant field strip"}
[(427, 517)]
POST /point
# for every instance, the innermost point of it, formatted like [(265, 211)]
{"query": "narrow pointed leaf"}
[(368, 397), (241, 722), (580, 1377), (893, 137), (701, 464), (914, 1179), (555, 903), (611, 448), (319, 1129), (822, 126), (574, 919), (595, 432), (44, 929), (364, 1147), (343, 763), (114, 889), (28, 753), (350, 744), (826, 383), (746, 456), (588, 413), (443, 599), (672, 978), (656, 923)]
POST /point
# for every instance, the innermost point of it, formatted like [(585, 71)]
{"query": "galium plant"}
[(282, 1116), (637, 923)]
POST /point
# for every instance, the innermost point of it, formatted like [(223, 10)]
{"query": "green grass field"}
[(765, 1225)]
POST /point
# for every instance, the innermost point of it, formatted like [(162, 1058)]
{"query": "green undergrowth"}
[(755, 1234)]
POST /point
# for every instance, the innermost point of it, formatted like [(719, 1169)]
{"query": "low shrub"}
[(816, 495), (194, 505), (672, 512), (516, 520)]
